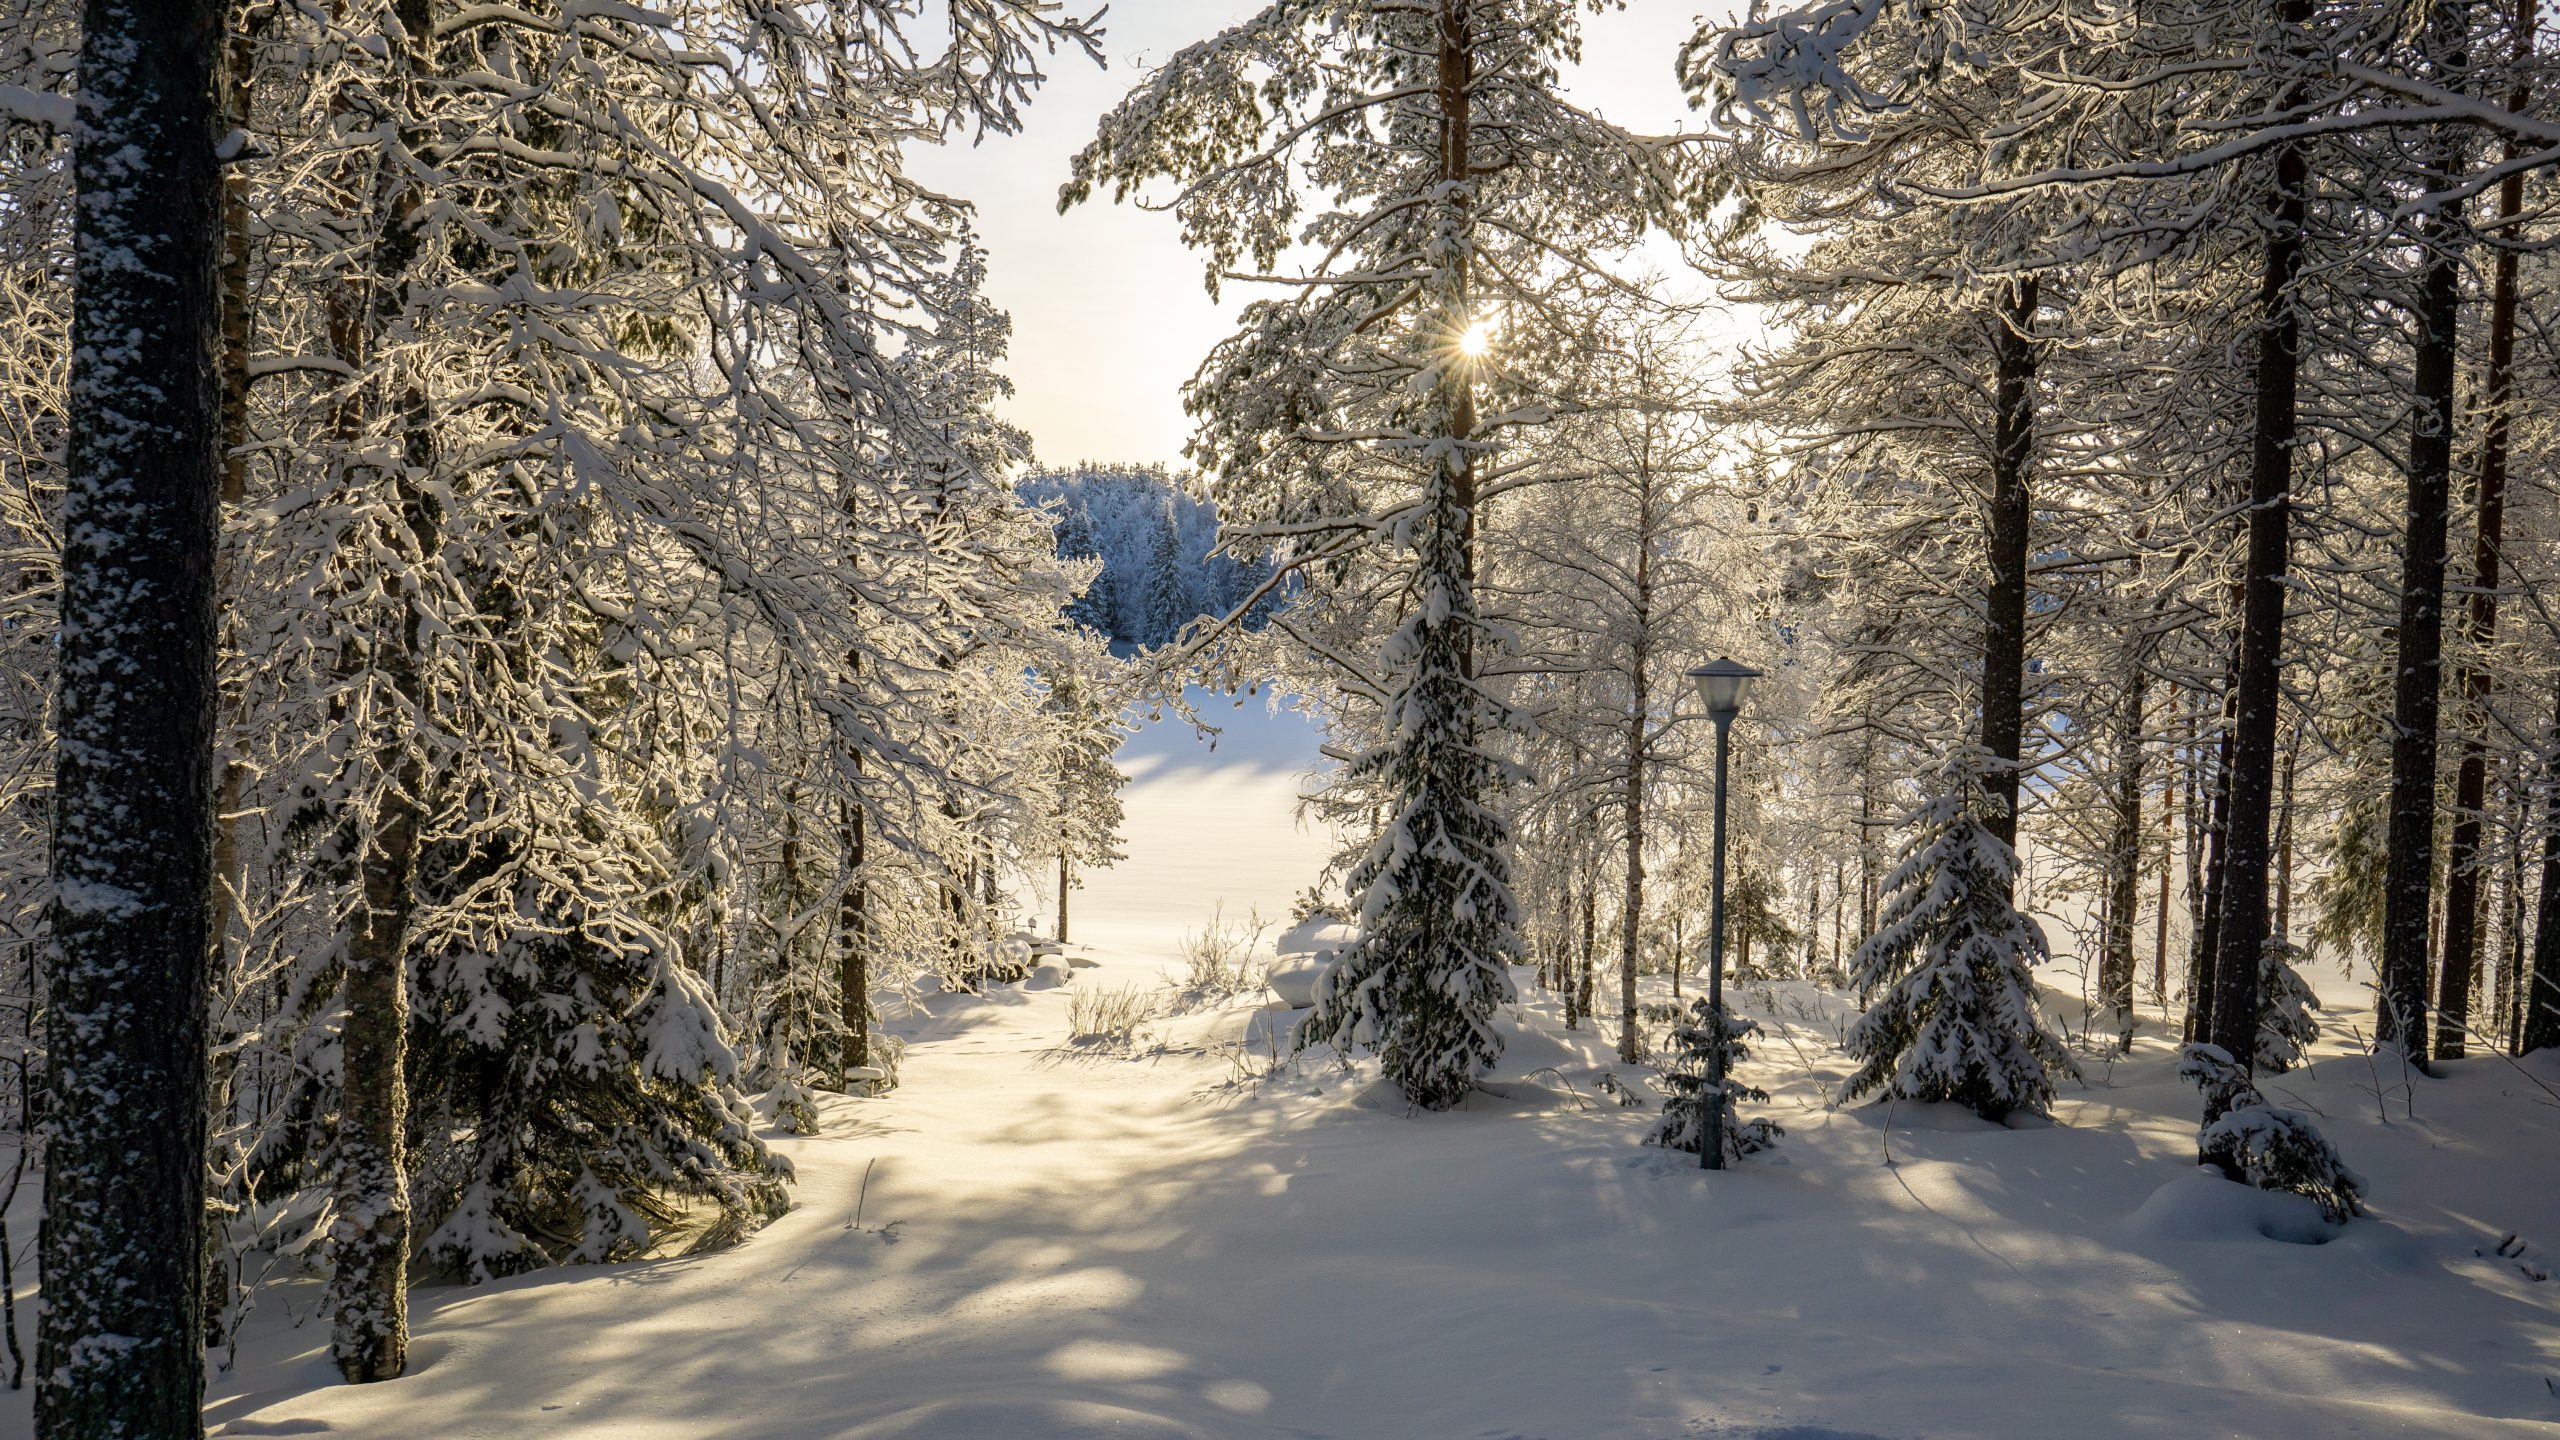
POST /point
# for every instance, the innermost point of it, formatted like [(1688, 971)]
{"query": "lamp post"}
[(1721, 684)]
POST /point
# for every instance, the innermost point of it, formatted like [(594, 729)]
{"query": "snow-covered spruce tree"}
[(120, 1343), (1417, 167), (1164, 596), (2263, 1145), (1951, 966), (2286, 1026), (1684, 1111), (1438, 923)]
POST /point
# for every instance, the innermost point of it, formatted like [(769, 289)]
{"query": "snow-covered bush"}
[(1096, 1016), (1220, 958), (2271, 1148), (1684, 1111), (1952, 956)]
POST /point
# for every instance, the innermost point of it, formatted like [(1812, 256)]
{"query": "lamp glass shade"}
[(1721, 684)]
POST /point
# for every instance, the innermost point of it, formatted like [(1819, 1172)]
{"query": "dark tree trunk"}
[(2418, 672), (1631, 923), (1583, 984), (2476, 684), (2249, 778), (853, 942), (2004, 640), (2209, 844), (120, 1347), (2541, 1000), (2124, 855), (1063, 877)]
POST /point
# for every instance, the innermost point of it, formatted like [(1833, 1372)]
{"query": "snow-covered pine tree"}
[(1951, 965), (1343, 421), (1684, 1110)]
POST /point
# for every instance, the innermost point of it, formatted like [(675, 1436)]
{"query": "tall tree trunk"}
[(853, 941), (368, 1295), (1631, 920), (2004, 641), (2257, 689), (2541, 999), (2418, 672), (2475, 683), (2209, 844), (1063, 878), (120, 1343), (2124, 855), (2168, 861), (1590, 937), (2284, 834)]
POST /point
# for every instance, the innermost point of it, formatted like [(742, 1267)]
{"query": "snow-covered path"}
[(1057, 1242)]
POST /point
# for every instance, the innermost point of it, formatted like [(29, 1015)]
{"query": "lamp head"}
[(1721, 684)]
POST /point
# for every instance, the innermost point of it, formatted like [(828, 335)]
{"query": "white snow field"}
[(1142, 1241)]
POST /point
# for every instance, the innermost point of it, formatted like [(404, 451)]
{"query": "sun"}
[(1477, 342)]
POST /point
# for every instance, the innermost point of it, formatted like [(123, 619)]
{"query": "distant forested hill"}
[(1156, 542)]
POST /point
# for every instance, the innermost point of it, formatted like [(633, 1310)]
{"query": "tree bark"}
[(2418, 674), (2257, 689), (2004, 642), (120, 1347), (2475, 683), (2541, 999), (368, 1296), (2124, 855), (853, 942)]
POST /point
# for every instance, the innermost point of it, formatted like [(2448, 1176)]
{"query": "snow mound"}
[(1047, 975), (1316, 935), (2205, 1206), (1294, 978)]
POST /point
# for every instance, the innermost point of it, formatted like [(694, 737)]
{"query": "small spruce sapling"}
[(1684, 1112), (1951, 963), (2258, 1144), (2285, 1024)]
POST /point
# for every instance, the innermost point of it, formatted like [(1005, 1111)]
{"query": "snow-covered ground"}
[(1034, 1239)]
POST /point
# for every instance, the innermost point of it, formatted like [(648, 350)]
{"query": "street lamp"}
[(1721, 684)]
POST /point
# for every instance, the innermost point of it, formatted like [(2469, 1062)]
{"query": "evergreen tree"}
[(1165, 596), (1684, 1111), (1438, 924), (2260, 1144), (1957, 1018)]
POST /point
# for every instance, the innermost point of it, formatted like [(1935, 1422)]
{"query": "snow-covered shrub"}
[(1096, 1016), (2271, 1148), (1684, 1111), (1953, 958), (1221, 958), (2285, 1024)]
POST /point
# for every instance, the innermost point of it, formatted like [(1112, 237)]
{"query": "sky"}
[(1110, 315)]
